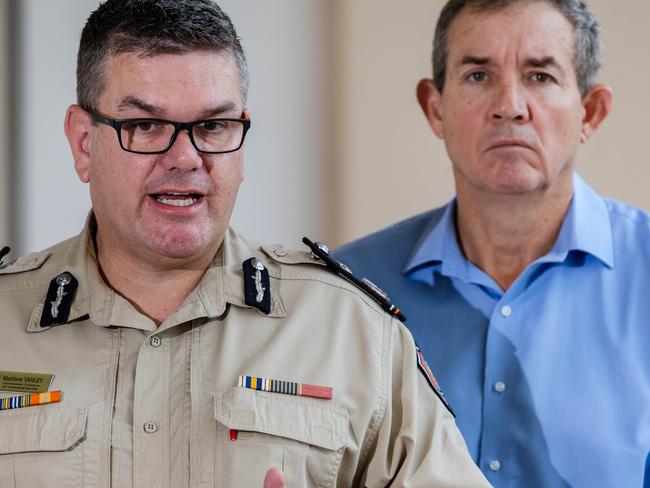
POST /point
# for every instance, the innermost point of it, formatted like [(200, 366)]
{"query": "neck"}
[(503, 234), (155, 290)]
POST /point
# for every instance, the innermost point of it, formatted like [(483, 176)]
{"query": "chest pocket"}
[(304, 437), (42, 446)]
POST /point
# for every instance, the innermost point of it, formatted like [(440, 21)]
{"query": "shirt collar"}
[(586, 227), (222, 283)]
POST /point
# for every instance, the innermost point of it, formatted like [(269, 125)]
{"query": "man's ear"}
[(597, 104), (429, 98), (77, 129)]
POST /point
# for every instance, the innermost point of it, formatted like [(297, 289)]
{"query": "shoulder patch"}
[(321, 251), (25, 263), (426, 371)]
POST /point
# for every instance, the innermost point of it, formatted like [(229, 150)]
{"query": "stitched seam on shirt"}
[(23, 286), (638, 217), (350, 288), (379, 417)]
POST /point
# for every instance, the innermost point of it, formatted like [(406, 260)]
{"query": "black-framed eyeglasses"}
[(155, 136)]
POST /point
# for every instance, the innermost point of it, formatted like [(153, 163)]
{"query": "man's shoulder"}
[(630, 230), (626, 215), (309, 278), (392, 243), (33, 270)]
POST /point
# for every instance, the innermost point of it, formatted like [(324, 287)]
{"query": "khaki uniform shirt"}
[(145, 406)]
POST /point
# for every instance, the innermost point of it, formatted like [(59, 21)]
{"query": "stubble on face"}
[(508, 133), (131, 193)]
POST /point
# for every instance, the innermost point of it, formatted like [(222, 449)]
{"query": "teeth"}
[(186, 202)]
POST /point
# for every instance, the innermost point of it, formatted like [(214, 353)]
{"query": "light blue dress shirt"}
[(550, 380)]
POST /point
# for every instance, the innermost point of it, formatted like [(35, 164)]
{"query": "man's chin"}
[(515, 181), (182, 245)]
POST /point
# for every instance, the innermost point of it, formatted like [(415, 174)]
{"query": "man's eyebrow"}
[(544, 62), (218, 110), (134, 102), (477, 60)]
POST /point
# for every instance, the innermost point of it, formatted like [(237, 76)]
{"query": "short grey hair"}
[(587, 50), (150, 28)]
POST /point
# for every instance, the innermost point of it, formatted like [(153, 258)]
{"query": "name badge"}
[(20, 381)]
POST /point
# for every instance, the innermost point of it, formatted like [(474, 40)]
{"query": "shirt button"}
[(151, 427), (155, 341), (495, 465), (280, 252), (506, 311), (499, 386)]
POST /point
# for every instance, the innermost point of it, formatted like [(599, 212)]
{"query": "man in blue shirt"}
[(528, 292)]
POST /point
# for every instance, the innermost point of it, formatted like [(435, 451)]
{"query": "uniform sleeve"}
[(418, 443)]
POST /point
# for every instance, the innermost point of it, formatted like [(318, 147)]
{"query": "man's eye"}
[(477, 76), (142, 126), (213, 125), (541, 77)]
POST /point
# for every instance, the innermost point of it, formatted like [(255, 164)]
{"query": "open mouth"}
[(177, 199)]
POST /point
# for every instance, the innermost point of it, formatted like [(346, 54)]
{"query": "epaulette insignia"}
[(58, 300), (257, 286), (424, 367), (322, 252)]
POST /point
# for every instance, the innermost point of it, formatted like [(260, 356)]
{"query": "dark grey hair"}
[(149, 28), (587, 50)]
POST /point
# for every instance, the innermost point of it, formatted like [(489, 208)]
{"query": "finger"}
[(274, 479)]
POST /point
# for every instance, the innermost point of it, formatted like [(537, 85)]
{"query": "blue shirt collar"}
[(586, 228)]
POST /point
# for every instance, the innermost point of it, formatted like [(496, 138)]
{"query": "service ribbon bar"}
[(21, 401), (285, 387)]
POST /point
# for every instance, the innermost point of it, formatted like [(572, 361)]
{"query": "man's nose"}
[(510, 104), (182, 155)]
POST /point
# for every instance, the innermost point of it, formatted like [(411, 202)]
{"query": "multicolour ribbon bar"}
[(285, 387), (21, 401)]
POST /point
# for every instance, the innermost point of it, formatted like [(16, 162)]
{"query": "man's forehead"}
[(159, 82), (540, 30)]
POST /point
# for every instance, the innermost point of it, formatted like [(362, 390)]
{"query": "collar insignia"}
[(58, 301), (257, 286)]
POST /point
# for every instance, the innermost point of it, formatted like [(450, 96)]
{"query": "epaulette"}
[(23, 263), (321, 252)]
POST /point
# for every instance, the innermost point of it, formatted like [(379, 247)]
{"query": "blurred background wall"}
[(5, 176), (338, 148)]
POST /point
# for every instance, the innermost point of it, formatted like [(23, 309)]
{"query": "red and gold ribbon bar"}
[(21, 401), (285, 387)]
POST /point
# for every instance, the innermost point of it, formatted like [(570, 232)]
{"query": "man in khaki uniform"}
[(185, 354)]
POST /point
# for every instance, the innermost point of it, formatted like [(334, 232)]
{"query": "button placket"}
[(150, 398)]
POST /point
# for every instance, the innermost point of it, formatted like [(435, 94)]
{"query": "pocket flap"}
[(41, 429), (313, 422)]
